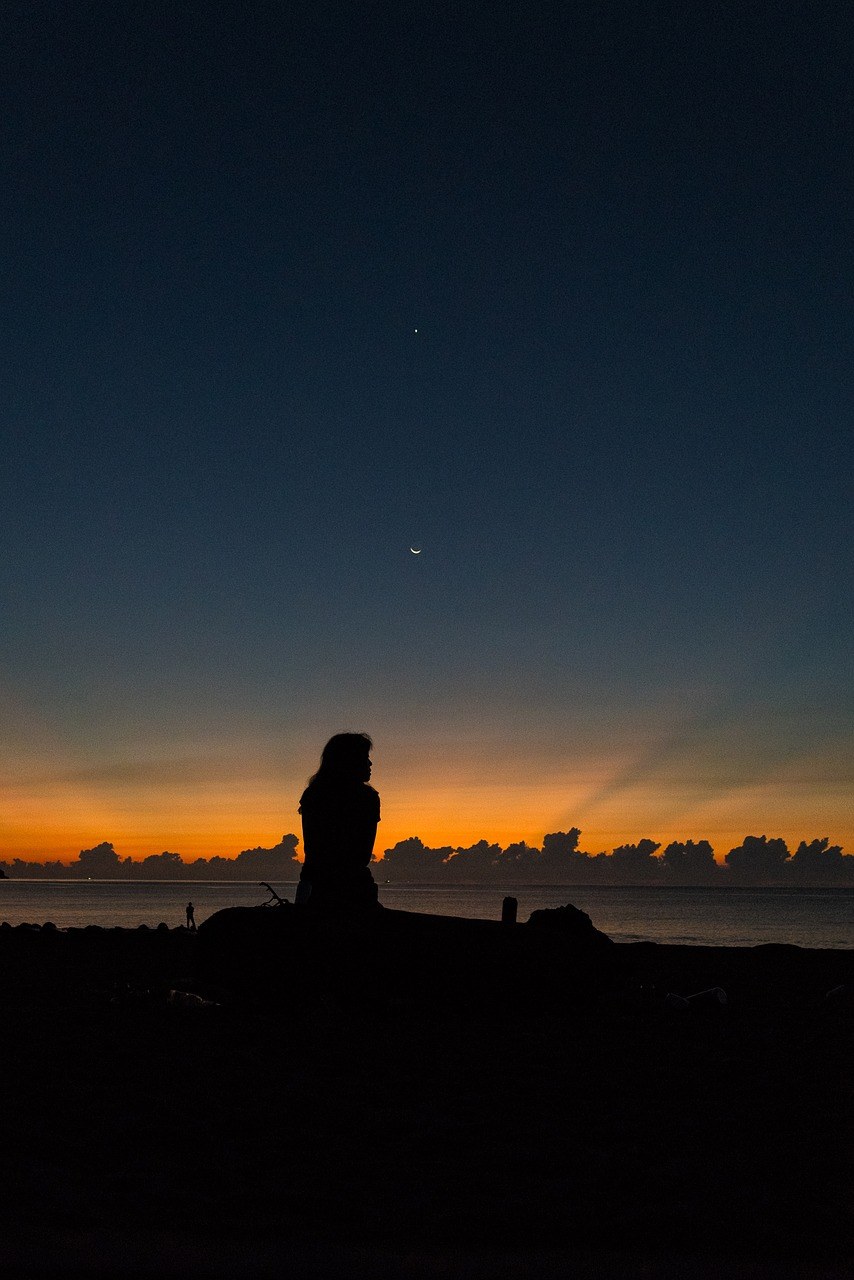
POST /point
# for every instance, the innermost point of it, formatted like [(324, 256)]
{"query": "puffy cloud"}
[(411, 859), (820, 862), (519, 858), (479, 861), (758, 860), (160, 866), (690, 862), (633, 863), (100, 863), (278, 863)]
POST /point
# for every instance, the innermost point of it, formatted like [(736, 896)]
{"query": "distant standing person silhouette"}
[(340, 812), (191, 918)]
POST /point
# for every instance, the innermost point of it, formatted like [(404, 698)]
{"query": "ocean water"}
[(699, 917)]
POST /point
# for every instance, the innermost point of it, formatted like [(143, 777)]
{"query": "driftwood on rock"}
[(402, 957)]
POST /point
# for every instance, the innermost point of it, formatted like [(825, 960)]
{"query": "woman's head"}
[(345, 758)]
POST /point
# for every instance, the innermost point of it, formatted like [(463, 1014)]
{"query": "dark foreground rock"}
[(575, 926), (429, 1098), (398, 959)]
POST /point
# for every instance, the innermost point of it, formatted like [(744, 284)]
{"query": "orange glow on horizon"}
[(447, 789), (452, 813)]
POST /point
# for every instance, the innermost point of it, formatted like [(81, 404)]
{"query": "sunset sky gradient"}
[(621, 434)]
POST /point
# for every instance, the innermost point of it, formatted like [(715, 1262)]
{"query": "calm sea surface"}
[(709, 917)]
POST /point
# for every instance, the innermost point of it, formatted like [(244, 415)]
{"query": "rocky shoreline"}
[(279, 1093)]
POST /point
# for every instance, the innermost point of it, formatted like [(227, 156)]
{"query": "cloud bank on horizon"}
[(758, 860)]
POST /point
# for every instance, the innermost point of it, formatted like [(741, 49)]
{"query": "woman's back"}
[(339, 826)]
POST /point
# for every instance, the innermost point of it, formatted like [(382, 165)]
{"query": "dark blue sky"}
[(621, 432)]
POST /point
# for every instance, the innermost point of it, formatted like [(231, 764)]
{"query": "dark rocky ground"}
[(425, 1098)]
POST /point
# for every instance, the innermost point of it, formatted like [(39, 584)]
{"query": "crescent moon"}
[(414, 552)]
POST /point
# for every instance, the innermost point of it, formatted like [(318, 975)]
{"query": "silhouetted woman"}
[(340, 813)]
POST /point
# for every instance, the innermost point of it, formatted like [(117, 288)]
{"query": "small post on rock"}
[(508, 911)]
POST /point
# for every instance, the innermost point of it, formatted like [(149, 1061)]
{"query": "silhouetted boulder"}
[(240, 945), (573, 923)]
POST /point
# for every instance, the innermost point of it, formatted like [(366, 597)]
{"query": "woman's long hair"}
[(342, 760)]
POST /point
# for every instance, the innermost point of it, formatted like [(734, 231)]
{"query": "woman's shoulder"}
[(366, 797), (361, 794), (365, 800)]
